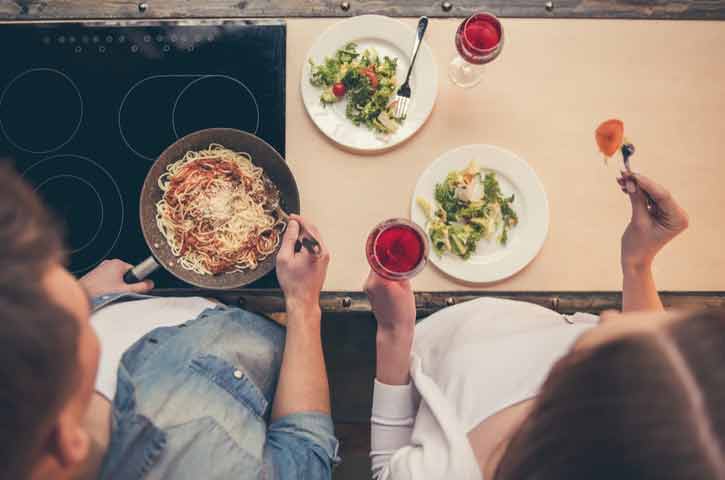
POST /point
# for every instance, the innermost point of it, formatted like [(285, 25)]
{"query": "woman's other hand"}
[(393, 303), (394, 309)]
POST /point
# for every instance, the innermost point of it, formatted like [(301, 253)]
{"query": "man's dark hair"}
[(644, 406), (38, 338)]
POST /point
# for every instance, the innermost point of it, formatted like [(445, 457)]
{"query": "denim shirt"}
[(193, 402)]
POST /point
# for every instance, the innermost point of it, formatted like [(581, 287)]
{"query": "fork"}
[(306, 239), (403, 96), (627, 151)]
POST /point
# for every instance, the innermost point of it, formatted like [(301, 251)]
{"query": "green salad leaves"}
[(470, 207), (366, 80)]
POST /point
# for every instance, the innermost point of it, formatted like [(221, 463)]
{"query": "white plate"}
[(491, 262), (389, 37)]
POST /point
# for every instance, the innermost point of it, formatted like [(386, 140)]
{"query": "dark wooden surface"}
[(95, 9), (349, 344), (271, 301), (354, 447)]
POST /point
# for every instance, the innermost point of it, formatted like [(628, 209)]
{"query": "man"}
[(187, 389)]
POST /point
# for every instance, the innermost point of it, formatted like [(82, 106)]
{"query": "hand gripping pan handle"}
[(141, 271)]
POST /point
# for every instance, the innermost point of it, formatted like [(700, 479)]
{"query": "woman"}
[(488, 390)]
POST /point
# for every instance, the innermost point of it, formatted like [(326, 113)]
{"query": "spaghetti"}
[(218, 211)]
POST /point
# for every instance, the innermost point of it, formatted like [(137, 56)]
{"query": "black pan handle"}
[(141, 271)]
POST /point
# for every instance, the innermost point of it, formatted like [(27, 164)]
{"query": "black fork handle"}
[(311, 245), (627, 151), (422, 25)]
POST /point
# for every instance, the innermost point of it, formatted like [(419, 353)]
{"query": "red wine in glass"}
[(479, 40), (397, 249)]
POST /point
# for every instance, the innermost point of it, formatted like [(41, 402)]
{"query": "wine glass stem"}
[(463, 73)]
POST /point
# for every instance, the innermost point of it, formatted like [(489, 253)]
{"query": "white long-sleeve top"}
[(468, 362)]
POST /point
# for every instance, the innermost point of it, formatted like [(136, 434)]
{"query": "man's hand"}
[(108, 278), (301, 274), (650, 229), (302, 385)]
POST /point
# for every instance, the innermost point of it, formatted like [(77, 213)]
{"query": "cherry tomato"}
[(371, 76), (339, 89)]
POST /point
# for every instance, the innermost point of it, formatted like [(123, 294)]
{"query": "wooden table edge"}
[(272, 300)]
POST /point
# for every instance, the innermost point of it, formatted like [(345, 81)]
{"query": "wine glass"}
[(479, 40), (397, 249)]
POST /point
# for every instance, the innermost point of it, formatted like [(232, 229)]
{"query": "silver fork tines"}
[(403, 96), (401, 109)]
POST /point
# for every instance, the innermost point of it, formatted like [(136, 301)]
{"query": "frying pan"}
[(263, 155)]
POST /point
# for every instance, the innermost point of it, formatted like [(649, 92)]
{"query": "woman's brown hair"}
[(646, 406)]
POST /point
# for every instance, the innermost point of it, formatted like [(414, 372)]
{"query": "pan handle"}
[(141, 271)]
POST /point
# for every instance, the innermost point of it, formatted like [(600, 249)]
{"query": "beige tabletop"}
[(542, 99)]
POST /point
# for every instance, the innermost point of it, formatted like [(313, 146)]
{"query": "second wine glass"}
[(479, 40), (397, 249)]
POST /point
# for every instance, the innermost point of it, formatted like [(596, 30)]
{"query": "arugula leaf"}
[(466, 222), (366, 105)]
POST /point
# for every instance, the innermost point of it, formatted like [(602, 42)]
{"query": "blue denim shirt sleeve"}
[(302, 446)]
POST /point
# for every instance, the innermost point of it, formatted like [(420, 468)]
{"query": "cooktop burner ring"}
[(246, 102), (207, 77), (128, 115), (60, 144), (98, 197), (47, 169)]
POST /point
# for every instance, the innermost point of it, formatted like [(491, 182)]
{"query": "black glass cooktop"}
[(86, 108)]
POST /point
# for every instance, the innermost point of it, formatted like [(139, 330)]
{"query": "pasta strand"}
[(218, 211)]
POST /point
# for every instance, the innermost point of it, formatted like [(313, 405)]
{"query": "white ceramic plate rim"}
[(531, 203), (424, 81)]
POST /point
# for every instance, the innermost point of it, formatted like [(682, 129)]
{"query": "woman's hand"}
[(393, 303), (651, 228), (108, 278), (394, 308), (301, 274)]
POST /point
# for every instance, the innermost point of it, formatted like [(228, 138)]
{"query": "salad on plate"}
[(366, 80), (469, 206)]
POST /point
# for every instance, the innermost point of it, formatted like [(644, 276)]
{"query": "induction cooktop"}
[(85, 109)]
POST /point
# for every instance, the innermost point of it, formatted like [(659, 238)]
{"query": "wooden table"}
[(542, 98)]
